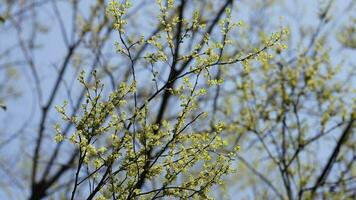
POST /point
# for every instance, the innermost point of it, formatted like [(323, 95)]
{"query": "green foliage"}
[(347, 35), (197, 104)]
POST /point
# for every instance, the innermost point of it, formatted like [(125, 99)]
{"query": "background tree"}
[(183, 88)]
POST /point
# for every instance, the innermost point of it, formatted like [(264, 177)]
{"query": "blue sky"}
[(26, 108)]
